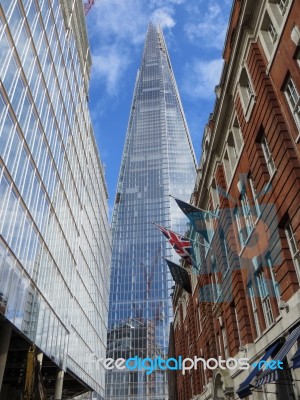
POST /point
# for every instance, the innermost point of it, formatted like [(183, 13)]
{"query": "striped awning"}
[(269, 375), (296, 359), (244, 389)]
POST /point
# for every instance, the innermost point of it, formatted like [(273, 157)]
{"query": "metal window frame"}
[(268, 156), (293, 101)]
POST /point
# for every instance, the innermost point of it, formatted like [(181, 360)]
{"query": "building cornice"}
[(216, 132)]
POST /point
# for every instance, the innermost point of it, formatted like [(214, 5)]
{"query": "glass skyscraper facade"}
[(158, 160), (55, 243)]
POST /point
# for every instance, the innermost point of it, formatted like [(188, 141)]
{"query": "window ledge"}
[(257, 218), (278, 318), (226, 273), (250, 106), (247, 239), (235, 168), (267, 187), (249, 235), (270, 327)]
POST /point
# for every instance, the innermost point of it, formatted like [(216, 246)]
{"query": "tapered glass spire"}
[(158, 160)]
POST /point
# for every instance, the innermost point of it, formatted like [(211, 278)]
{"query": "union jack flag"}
[(180, 244)]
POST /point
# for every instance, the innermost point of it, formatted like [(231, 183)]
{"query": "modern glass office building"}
[(158, 160), (55, 243)]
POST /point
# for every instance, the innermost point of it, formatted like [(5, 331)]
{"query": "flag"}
[(180, 275), (180, 244), (198, 218)]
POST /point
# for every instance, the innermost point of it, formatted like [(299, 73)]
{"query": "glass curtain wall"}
[(158, 160), (55, 237)]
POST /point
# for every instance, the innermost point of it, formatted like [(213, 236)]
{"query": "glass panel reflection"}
[(158, 160), (55, 244)]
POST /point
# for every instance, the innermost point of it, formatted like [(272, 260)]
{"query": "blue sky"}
[(194, 31)]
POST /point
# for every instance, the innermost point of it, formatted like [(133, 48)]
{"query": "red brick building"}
[(246, 299)]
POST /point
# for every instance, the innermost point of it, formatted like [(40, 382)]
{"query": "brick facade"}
[(258, 255)]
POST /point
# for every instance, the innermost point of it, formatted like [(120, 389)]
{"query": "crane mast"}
[(87, 6)]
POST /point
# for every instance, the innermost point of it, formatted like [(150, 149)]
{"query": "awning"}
[(244, 389), (296, 359), (268, 375), (180, 275)]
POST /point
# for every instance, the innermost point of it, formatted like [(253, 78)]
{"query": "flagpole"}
[(184, 236), (200, 209)]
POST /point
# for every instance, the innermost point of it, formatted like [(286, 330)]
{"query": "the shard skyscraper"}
[(158, 160)]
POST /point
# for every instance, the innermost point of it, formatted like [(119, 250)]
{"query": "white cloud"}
[(207, 24), (109, 63), (117, 30), (201, 77), (160, 3), (163, 17), (115, 20)]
